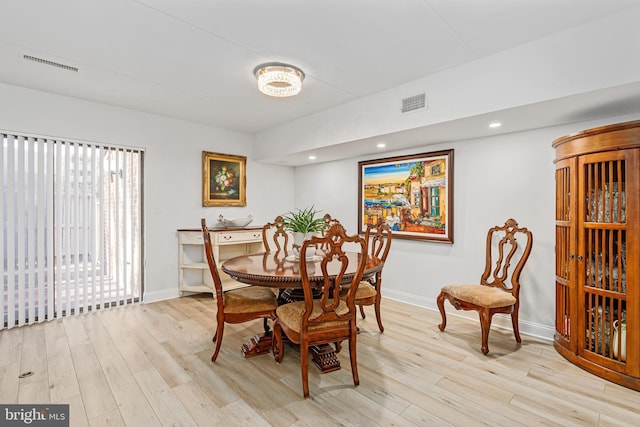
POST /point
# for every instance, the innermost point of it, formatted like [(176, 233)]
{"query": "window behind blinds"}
[(72, 227)]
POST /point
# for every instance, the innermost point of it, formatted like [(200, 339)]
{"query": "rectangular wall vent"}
[(413, 103), (47, 62)]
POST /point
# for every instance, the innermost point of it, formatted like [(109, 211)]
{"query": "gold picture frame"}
[(412, 194), (224, 179)]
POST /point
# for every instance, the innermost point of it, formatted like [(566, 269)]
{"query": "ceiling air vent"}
[(413, 103), (47, 62)]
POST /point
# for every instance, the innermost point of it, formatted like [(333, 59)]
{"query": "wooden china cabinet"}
[(598, 251)]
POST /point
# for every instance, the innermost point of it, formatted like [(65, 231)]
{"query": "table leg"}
[(295, 294), (324, 357), (258, 344)]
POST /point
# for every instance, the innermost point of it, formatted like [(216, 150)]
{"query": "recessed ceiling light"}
[(495, 125), (312, 157), (381, 145)]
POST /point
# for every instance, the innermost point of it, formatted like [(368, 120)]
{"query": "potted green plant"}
[(303, 223)]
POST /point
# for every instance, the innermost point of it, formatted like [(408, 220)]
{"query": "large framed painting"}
[(412, 194), (224, 181)]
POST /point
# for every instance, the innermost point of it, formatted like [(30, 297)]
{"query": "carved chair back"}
[(333, 267), (379, 240), (503, 251), (275, 236), (328, 222)]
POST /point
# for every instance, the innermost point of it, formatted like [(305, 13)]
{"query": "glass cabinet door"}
[(565, 252), (602, 256)]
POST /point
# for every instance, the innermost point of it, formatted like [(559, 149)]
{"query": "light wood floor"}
[(148, 365)]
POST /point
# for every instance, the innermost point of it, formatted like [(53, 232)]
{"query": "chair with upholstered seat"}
[(328, 222), (499, 288), (237, 305), (275, 232), (369, 291), (327, 319)]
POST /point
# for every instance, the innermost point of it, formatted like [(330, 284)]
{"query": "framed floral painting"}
[(412, 194), (224, 181)]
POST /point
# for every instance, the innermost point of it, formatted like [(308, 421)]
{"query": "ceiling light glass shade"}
[(278, 79)]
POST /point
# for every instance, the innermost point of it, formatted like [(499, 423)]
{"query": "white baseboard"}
[(528, 328)]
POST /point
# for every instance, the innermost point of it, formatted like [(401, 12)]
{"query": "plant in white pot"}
[(303, 223)]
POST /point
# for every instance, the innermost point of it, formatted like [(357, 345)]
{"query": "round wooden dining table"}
[(282, 271), (279, 270)]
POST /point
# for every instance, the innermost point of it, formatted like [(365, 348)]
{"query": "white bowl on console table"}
[(233, 223)]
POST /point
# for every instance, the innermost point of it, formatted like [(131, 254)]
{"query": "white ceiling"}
[(193, 59)]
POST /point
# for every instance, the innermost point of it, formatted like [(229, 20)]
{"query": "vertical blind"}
[(72, 227)]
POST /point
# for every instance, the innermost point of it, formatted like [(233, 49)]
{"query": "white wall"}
[(495, 178), (173, 159)]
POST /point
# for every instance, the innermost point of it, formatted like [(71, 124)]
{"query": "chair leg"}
[(265, 325), (217, 338), (276, 342), (378, 317), (353, 358), (220, 320), (514, 322), (304, 365), (443, 314), (362, 312), (485, 324)]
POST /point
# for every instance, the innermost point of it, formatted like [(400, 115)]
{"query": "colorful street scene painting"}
[(411, 194)]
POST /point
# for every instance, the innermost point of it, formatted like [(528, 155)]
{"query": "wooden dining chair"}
[(327, 319), (499, 288), (329, 221), (275, 236), (378, 239), (237, 305)]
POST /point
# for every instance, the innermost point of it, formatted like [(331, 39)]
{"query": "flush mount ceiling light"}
[(278, 79)]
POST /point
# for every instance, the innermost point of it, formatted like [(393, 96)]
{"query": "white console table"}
[(193, 270)]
